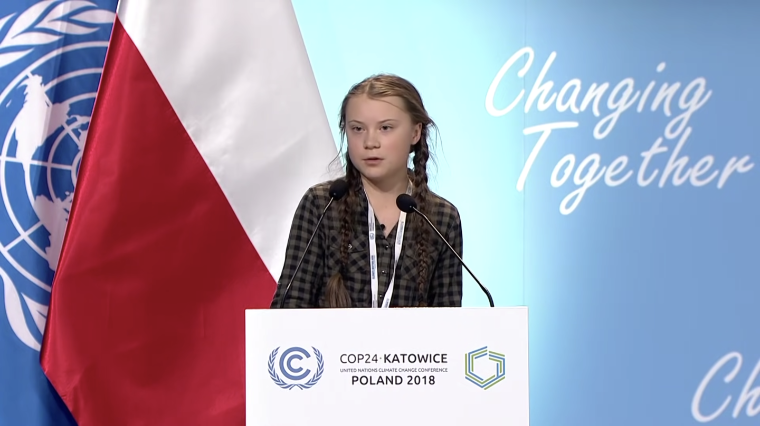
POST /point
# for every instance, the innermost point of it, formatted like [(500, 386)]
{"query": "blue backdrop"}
[(632, 238)]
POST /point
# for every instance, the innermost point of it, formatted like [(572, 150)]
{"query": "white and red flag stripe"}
[(207, 130)]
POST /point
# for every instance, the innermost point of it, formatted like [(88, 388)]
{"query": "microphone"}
[(337, 190), (407, 204)]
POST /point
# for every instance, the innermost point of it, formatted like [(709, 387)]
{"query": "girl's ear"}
[(416, 133)]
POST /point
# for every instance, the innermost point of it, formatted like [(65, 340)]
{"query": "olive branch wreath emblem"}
[(47, 22), (281, 383)]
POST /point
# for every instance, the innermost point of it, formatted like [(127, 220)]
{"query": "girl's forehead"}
[(364, 107)]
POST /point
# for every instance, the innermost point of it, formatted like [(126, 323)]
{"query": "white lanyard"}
[(373, 252)]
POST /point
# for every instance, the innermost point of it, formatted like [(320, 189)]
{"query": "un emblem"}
[(293, 365), (488, 382), (51, 57)]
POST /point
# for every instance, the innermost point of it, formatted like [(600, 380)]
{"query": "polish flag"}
[(207, 130)]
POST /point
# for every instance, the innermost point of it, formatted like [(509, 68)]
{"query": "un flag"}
[(51, 56)]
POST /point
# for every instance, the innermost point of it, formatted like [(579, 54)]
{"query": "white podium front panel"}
[(398, 367)]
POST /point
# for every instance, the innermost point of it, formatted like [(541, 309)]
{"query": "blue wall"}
[(637, 285)]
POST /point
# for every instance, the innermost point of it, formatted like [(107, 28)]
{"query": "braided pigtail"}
[(422, 233), (336, 294)]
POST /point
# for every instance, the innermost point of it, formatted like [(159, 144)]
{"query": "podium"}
[(397, 367)]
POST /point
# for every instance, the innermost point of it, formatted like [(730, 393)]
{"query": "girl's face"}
[(380, 135)]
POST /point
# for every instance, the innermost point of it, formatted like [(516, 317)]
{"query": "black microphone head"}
[(338, 189), (406, 203)]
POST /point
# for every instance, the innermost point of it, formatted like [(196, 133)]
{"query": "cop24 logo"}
[(493, 377), (292, 367)]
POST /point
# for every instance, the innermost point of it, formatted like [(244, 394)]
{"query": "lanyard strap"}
[(373, 252)]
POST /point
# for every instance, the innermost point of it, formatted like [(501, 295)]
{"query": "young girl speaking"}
[(368, 253)]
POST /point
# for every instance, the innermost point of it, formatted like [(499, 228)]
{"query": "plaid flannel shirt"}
[(444, 279)]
